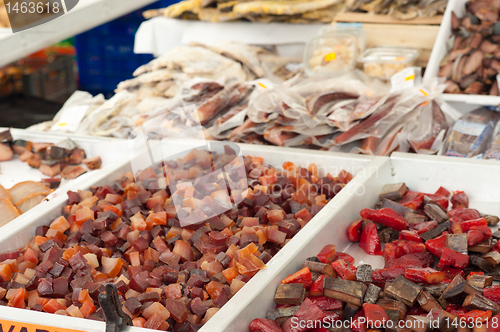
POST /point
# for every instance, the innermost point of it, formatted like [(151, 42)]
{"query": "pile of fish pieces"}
[(290, 11), (403, 10), (473, 58), (62, 158), (413, 288)]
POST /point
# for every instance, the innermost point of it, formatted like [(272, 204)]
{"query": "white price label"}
[(70, 119), (498, 82), (406, 79)]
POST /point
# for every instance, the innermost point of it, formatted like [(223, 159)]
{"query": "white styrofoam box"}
[(439, 51), (17, 234), (15, 171), (478, 178)]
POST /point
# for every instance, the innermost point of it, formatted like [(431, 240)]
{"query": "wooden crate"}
[(382, 30)]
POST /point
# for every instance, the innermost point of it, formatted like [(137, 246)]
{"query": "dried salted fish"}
[(147, 14), (290, 7), (222, 100), (25, 189), (216, 15), (8, 212), (246, 54), (400, 9), (184, 7), (4, 193), (278, 135), (31, 201)]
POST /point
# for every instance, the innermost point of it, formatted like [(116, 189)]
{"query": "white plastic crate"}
[(478, 178), (439, 51), (20, 232)]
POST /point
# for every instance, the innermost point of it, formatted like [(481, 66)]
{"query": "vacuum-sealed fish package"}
[(471, 134), (493, 151)]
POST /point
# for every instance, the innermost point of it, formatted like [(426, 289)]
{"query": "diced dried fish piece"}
[(364, 273), (281, 312), (389, 304), (435, 231), (428, 302), (320, 268), (393, 191), (457, 291), (290, 294), (477, 301), (480, 281), (457, 242), (372, 293), (345, 290), (436, 290), (403, 290), (482, 248)]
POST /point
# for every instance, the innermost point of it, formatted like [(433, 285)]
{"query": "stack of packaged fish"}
[(187, 75), (246, 94), (400, 9), (473, 59), (265, 11), (350, 113)]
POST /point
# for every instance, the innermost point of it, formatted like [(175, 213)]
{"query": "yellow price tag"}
[(424, 93), (411, 77), (399, 58), (62, 124), (262, 85), (330, 56)]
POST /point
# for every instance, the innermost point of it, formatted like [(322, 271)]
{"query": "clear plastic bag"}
[(430, 124), (271, 103), (388, 114), (493, 151), (471, 134)]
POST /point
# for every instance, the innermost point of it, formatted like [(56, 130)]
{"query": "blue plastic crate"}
[(105, 54)]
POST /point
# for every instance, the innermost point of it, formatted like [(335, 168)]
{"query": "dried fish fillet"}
[(178, 9), (8, 212), (291, 7), (153, 13), (31, 201), (25, 189), (216, 15), (246, 54), (4, 193)]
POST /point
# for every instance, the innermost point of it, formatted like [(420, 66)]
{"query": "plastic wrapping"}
[(381, 120), (471, 134), (77, 99), (383, 62), (274, 102), (344, 115), (493, 151), (101, 115), (331, 53), (428, 128)]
